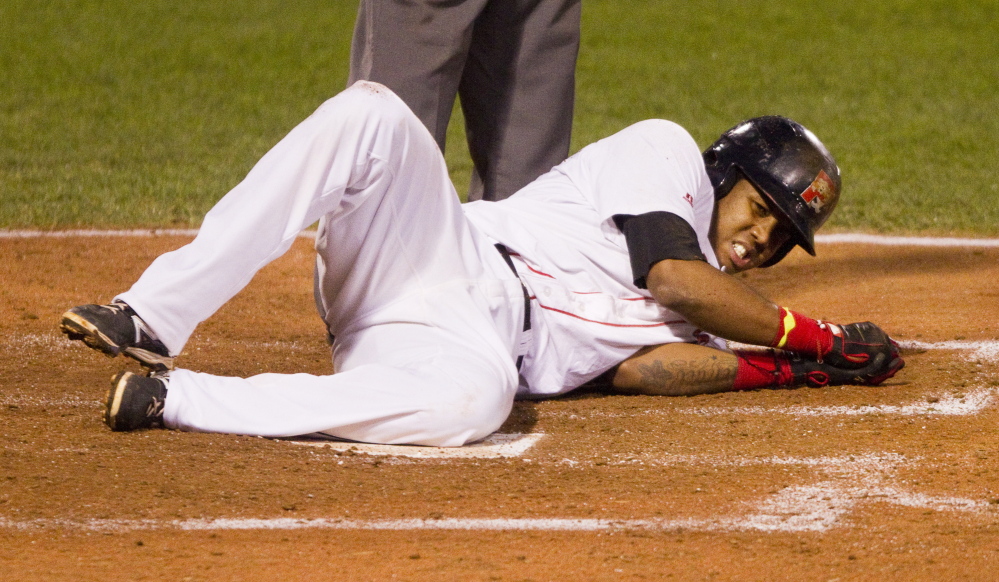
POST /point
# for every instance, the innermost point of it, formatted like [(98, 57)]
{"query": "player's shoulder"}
[(652, 143), (663, 131), (667, 139)]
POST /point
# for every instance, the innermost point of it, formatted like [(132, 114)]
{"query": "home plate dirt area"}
[(897, 482)]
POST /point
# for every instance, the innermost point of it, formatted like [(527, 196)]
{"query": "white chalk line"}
[(987, 350), (970, 403), (821, 506), (30, 400), (452, 524), (919, 241), (855, 480), (495, 446), (126, 233), (87, 233), (849, 238), (973, 402), (816, 507), (983, 350)]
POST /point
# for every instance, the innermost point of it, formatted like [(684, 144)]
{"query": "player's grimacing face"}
[(745, 232)]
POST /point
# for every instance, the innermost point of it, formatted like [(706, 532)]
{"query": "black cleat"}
[(116, 329), (135, 402)]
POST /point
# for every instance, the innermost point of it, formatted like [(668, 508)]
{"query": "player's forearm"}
[(713, 301), (676, 370), (690, 369)]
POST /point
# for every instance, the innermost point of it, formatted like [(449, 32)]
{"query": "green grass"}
[(119, 113), (903, 92)]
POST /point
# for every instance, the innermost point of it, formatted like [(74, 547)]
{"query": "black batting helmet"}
[(788, 165)]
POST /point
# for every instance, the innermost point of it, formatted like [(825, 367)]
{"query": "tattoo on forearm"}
[(686, 376)]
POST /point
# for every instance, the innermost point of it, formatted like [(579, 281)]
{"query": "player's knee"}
[(370, 88), (365, 99), (465, 415)]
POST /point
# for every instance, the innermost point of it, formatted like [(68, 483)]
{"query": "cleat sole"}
[(77, 328), (152, 362), (114, 399)]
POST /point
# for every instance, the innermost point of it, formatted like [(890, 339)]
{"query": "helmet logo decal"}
[(819, 192)]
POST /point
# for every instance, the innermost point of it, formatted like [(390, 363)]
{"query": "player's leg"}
[(426, 315), (417, 49), (517, 92), (350, 143), (413, 245), (402, 384)]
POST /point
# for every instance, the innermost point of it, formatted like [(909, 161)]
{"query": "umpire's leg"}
[(418, 49), (517, 92)]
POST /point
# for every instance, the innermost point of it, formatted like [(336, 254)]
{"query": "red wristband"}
[(762, 370), (802, 335)]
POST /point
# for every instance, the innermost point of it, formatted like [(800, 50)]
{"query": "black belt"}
[(527, 296)]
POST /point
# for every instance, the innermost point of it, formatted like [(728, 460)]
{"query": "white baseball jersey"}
[(587, 314), (428, 317)]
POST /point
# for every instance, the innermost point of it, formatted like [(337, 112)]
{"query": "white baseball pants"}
[(425, 312)]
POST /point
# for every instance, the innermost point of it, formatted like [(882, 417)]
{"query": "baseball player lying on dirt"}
[(442, 313)]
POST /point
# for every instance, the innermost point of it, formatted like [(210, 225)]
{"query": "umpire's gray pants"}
[(512, 62)]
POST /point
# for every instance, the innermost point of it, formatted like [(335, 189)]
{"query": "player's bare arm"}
[(676, 370), (759, 217), (745, 234), (691, 369), (724, 306), (714, 301)]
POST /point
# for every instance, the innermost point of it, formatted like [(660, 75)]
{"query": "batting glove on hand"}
[(880, 366), (856, 346)]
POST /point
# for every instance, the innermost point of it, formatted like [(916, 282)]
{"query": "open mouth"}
[(740, 255)]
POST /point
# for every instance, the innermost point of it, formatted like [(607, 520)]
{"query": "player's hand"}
[(880, 366), (856, 346)]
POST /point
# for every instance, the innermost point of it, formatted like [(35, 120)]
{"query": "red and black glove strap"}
[(803, 335), (762, 369)]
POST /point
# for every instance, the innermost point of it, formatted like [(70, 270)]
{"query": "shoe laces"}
[(155, 408)]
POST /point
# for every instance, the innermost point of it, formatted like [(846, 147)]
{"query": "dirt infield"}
[(899, 482)]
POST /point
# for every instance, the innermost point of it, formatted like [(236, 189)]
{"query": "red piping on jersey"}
[(647, 299), (616, 298), (543, 274), (530, 268), (533, 270), (660, 324)]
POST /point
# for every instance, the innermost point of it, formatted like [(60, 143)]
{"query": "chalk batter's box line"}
[(494, 446), (816, 507)]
